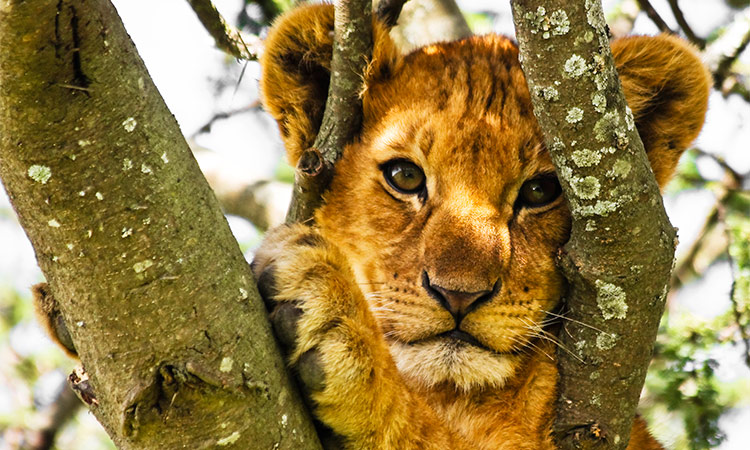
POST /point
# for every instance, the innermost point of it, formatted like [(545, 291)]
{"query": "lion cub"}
[(414, 309)]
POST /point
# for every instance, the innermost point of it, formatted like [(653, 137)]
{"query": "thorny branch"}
[(227, 38)]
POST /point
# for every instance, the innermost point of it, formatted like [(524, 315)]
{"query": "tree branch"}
[(654, 16), (226, 37), (352, 50), (620, 252), (721, 54), (680, 17), (160, 303)]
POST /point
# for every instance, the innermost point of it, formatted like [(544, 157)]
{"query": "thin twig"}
[(680, 17), (47, 422), (654, 16), (721, 54), (722, 71), (227, 38), (206, 128), (738, 309)]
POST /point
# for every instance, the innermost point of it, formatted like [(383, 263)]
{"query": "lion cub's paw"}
[(317, 311)]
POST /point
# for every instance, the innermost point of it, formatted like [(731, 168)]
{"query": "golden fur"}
[(460, 111)]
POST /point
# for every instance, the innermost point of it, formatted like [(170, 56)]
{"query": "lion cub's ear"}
[(666, 86), (296, 65)]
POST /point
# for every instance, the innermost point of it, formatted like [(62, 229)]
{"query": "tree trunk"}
[(160, 303), (620, 253)]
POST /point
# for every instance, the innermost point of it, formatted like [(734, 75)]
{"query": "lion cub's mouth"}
[(462, 336)]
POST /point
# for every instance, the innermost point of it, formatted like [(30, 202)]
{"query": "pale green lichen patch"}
[(586, 188), (226, 364), (229, 440), (605, 341), (557, 144), (559, 22), (164, 158), (596, 400), (84, 143), (99, 196), (142, 266), (548, 93), (594, 375), (243, 294), (590, 225), (145, 168), (620, 169), (599, 100), (39, 173), (127, 232), (611, 300), (601, 208), (586, 157), (594, 14), (606, 126), (556, 24), (575, 115), (574, 67), (629, 119), (129, 124), (53, 223), (127, 164)]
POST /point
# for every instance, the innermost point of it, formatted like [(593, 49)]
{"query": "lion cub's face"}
[(450, 212)]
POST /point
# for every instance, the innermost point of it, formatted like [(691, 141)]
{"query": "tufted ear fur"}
[(296, 66), (667, 86)]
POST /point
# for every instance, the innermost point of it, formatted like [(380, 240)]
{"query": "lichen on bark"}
[(611, 191), (154, 290)]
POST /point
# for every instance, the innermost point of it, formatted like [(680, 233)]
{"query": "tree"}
[(158, 298), (41, 181)]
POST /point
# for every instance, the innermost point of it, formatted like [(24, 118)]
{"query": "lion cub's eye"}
[(404, 176), (539, 192)]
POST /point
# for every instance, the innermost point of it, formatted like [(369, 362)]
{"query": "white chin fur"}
[(466, 366)]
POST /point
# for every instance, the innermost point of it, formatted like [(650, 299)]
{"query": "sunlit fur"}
[(460, 111)]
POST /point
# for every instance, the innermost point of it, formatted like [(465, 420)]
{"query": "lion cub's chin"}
[(435, 361)]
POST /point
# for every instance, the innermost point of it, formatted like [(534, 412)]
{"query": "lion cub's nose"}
[(458, 303)]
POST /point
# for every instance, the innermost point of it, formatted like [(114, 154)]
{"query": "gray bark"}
[(160, 303), (620, 253)]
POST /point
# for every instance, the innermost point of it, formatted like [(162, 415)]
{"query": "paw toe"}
[(310, 370), (285, 319)]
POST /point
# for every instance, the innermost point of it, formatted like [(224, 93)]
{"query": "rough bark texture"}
[(342, 119), (620, 253), (160, 303)]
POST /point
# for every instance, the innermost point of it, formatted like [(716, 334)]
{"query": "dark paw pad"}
[(284, 319), (267, 285), (310, 370)]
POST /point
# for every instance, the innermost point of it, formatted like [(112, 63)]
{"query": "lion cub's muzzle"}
[(458, 303)]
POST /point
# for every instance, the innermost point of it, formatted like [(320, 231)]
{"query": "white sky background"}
[(182, 60)]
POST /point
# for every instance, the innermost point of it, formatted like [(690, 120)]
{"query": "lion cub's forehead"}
[(461, 105)]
